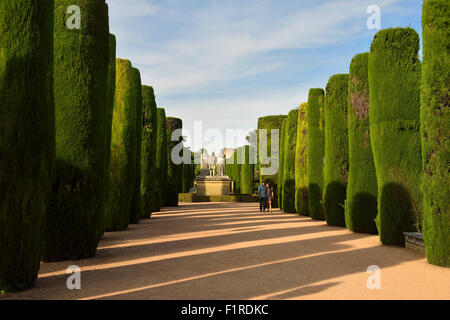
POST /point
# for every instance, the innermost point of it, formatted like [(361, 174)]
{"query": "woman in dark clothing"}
[(269, 197)]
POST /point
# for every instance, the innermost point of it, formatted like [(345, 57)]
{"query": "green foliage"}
[(136, 211), (247, 172), (123, 149), (229, 166), (111, 87), (269, 123), (394, 81), (435, 124), (335, 173), (75, 221), (174, 171), (315, 152), (148, 159), (301, 172), (281, 170), (231, 170), (289, 162), (188, 172), (161, 159), (361, 205), (236, 174), (27, 139)]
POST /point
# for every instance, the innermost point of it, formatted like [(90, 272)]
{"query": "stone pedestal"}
[(213, 186)]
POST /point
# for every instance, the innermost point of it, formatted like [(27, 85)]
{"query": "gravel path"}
[(231, 251)]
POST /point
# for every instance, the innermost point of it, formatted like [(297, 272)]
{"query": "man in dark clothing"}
[(262, 192)]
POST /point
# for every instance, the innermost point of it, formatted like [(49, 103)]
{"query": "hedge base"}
[(191, 198)]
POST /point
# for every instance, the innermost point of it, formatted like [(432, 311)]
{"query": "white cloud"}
[(125, 9), (240, 112), (220, 44), (186, 53)]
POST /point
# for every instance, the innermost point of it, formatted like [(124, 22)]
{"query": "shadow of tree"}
[(396, 214)]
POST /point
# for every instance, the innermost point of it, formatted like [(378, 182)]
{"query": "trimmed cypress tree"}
[(394, 82), (289, 162), (229, 166), (174, 171), (315, 152), (335, 171), (148, 160), (301, 172), (269, 123), (136, 204), (281, 170), (247, 172), (161, 159), (75, 220), (111, 87), (435, 124), (188, 173), (361, 205), (193, 170), (123, 149), (27, 139), (236, 173)]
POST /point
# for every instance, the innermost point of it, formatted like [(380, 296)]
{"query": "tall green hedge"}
[(123, 149), (335, 173), (315, 152), (281, 170), (229, 167), (136, 204), (394, 82), (27, 142), (289, 162), (301, 172), (174, 172), (111, 85), (148, 160), (188, 172), (75, 221), (435, 128), (247, 172), (161, 159), (236, 173), (269, 123), (361, 206)]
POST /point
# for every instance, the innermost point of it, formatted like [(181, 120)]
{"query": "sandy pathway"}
[(231, 251)]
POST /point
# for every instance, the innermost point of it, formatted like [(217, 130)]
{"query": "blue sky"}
[(228, 62)]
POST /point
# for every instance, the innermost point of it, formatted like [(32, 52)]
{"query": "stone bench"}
[(414, 240)]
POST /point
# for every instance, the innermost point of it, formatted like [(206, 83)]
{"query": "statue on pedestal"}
[(204, 164), (212, 165), (212, 180), (221, 166)]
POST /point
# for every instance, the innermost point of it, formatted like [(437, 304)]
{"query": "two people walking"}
[(265, 192)]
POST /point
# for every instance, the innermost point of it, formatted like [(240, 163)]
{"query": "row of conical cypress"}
[(91, 162), (372, 151)]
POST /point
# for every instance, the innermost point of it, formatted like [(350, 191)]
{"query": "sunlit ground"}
[(231, 251)]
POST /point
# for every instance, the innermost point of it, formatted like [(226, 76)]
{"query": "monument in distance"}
[(212, 180)]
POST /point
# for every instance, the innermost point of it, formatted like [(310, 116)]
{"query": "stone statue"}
[(212, 165), (204, 164), (221, 166)]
